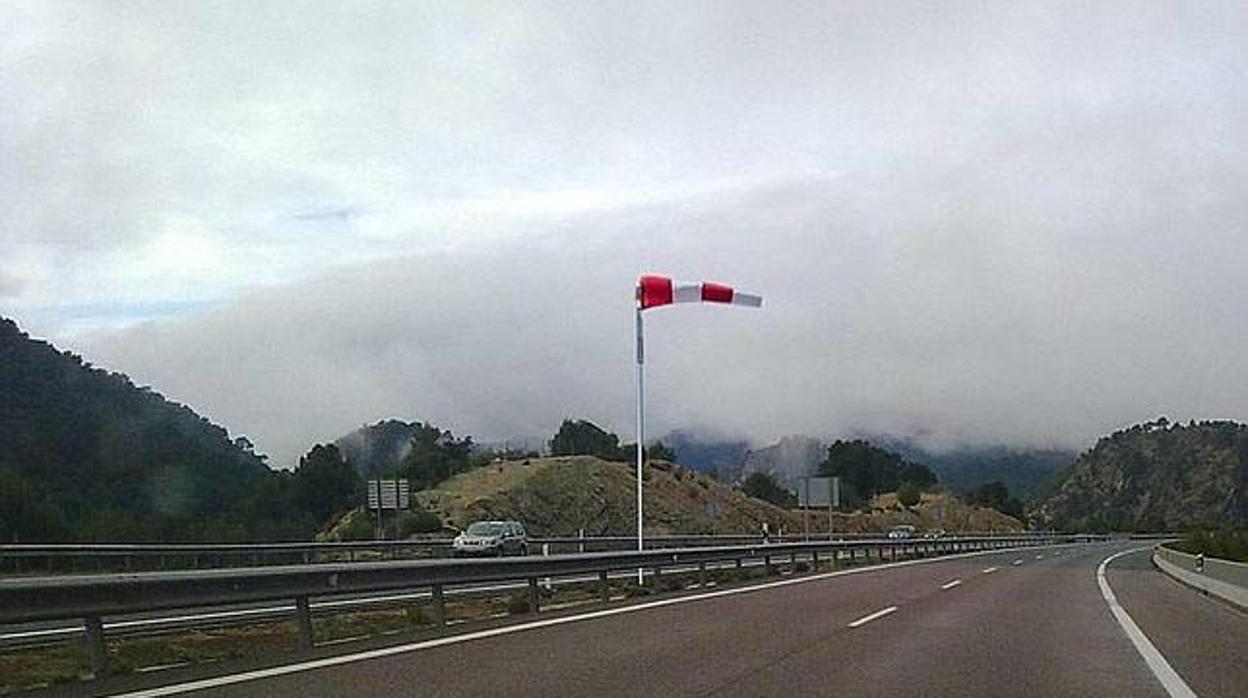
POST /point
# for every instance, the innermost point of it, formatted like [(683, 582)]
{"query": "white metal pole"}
[(641, 421)]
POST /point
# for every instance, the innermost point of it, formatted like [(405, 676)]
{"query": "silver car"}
[(491, 538)]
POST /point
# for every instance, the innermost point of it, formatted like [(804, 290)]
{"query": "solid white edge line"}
[(1166, 675), (202, 684), (988, 570), (867, 619), (951, 585)]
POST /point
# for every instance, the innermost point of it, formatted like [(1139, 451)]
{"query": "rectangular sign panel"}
[(819, 492), (389, 494)]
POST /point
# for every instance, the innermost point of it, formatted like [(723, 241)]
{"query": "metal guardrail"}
[(1225, 579), (50, 558), (91, 597)]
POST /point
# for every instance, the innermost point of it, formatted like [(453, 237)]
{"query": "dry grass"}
[(558, 496)]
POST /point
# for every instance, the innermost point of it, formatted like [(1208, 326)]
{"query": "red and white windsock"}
[(654, 291)]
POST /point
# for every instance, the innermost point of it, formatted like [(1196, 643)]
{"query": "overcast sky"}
[(1013, 222)]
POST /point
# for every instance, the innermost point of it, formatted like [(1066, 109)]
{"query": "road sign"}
[(819, 492), (389, 494)]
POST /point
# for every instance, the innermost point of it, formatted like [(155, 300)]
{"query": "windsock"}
[(654, 291)]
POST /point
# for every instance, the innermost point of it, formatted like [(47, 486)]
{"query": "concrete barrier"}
[(1223, 578)]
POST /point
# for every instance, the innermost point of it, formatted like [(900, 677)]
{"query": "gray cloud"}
[(1020, 222), (986, 335), (10, 286)]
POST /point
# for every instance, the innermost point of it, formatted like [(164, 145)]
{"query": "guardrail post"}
[(604, 587), (303, 618), (814, 560), (439, 605), (767, 563), (95, 645), (534, 597), (580, 544), (702, 575)]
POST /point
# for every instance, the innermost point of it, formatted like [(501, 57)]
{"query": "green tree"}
[(995, 495), (867, 470), (434, 456), (908, 494), (584, 438), (763, 486), (326, 484), (26, 514), (658, 451)]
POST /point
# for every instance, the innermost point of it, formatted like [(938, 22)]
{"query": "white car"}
[(491, 538), (904, 531)]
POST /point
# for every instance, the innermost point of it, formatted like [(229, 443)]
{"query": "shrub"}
[(518, 602), (420, 521), (1227, 543), (908, 494)]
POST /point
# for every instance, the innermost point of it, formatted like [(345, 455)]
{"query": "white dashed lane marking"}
[(878, 614)]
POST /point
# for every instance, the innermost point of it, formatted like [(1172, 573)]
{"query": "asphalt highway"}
[(1028, 622)]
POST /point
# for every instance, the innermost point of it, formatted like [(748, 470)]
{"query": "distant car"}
[(491, 538), (904, 531), (934, 533)]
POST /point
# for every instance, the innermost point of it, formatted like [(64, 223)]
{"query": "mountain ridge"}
[(1155, 476), (86, 451)]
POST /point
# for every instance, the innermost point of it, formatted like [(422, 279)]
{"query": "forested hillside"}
[(377, 449), (87, 455), (1156, 476), (1025, 471)]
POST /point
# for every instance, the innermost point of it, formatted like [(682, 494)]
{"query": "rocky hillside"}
[(788, 460), (1155, 476), (558, 496), (555, 496)]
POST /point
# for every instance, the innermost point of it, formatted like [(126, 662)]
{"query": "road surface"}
[(1030, 622)]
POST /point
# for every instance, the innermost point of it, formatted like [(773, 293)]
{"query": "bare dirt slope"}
[(559, 496)]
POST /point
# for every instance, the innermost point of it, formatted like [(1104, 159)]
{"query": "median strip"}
[(878, 614), (951, 585)]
